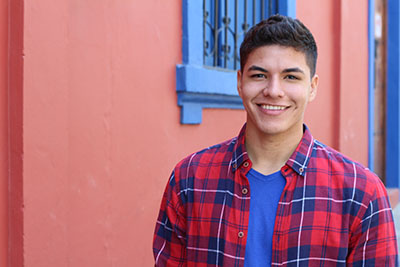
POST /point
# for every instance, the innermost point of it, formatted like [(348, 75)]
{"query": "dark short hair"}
[(284, 31)]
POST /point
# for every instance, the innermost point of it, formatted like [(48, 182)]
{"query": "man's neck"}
[(269, 153)]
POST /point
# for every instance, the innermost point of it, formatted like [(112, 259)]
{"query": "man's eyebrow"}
[(293, 70), (256, 68)]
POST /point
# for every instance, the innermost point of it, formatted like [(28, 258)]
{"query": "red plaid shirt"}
[(332, 212)]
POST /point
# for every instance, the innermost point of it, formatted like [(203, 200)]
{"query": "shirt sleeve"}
[(373, 241), (169, 243)]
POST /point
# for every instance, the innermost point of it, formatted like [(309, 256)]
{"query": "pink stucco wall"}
[(3, 132), (15, 134), (339, 115), (354, 80), (322, 18), (101, 128)]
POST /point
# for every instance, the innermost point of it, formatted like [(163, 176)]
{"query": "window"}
[(212, 33)]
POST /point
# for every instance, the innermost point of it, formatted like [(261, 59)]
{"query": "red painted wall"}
[(321, 17), (15, 138), (354, 80), (101, 128), (3, 132), (100, 131), (339, 115)]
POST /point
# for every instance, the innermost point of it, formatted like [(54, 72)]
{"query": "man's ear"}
[(313, 88), (239, 82)]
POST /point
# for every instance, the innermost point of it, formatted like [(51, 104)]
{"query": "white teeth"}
[(269, 107)]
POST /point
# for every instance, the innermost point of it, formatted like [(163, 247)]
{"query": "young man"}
[(274, 195)]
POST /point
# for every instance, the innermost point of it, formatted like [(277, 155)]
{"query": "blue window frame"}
[(392, 149), (393, 95), (207, 76)]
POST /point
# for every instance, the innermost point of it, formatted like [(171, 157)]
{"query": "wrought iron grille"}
[(225, 22)]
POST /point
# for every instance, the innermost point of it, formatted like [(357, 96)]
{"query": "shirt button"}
[(246, 164), (240, 234), (234, 165), (301, 170), (245, 191)]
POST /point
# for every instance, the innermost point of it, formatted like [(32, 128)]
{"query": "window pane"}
[(224, 26)]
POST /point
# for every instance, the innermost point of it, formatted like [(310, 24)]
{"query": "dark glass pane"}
[(225, 24)]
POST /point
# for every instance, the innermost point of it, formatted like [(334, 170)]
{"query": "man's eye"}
[(258, 75), (291, 77)]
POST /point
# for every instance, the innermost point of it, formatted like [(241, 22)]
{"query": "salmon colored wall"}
[(101, 129), (354, 80), (322, 20), (3, 132), (15, 103), (339, 115)]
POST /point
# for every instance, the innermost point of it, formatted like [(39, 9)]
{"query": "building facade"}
[(100, 99)]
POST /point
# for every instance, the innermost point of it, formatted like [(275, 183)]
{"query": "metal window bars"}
[(222, 35)]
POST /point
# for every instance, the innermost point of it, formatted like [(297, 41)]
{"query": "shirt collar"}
[(298, 161), (302, 154), (239, 150)]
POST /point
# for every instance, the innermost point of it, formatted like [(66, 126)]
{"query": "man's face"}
[(275, 86)]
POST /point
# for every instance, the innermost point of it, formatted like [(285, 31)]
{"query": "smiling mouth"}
[(272, 107)]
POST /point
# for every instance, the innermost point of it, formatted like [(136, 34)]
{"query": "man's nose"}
[(273, 88)]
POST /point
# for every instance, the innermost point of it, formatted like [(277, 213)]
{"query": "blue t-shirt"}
[(265, 192)]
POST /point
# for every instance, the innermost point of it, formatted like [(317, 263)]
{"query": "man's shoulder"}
[(214, 155), (337, 163)]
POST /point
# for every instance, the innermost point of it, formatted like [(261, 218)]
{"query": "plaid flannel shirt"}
[(332, 212)]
